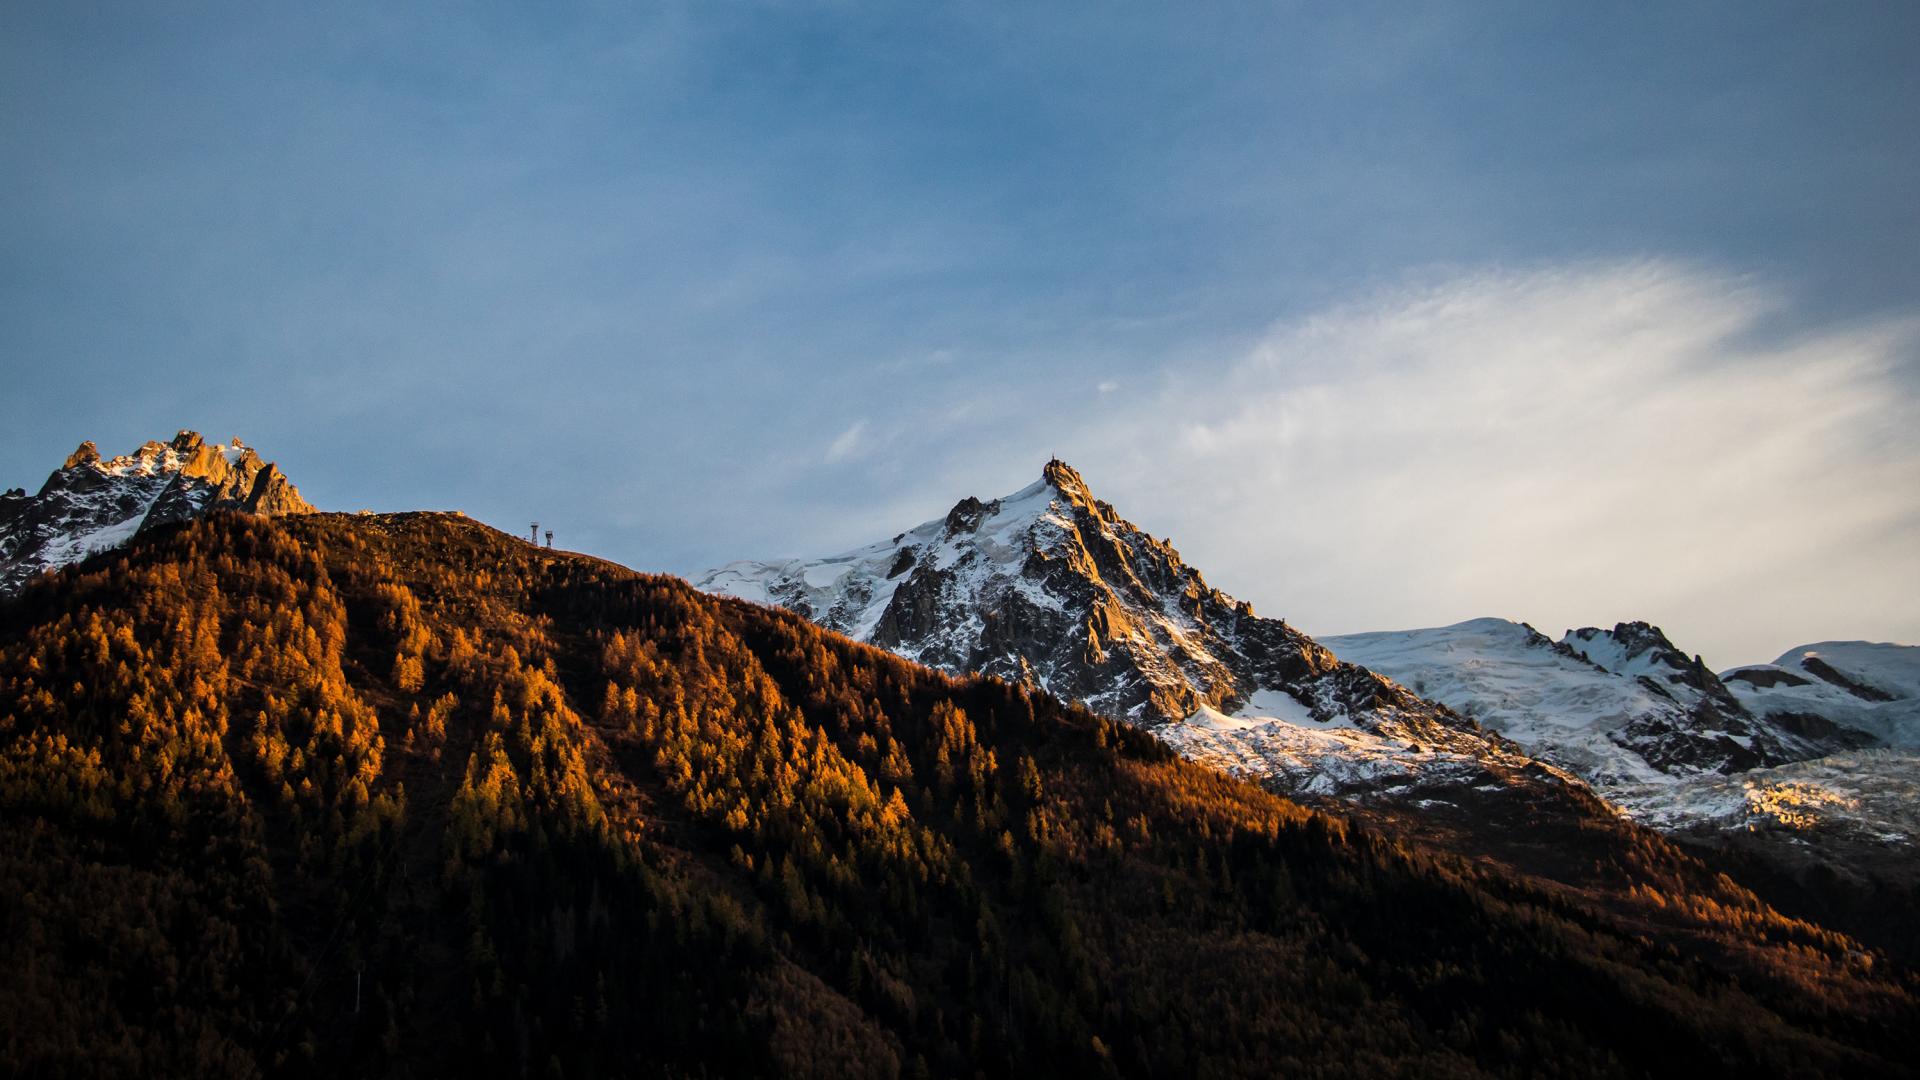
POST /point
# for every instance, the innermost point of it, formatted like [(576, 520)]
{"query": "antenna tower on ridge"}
[(535, 538)]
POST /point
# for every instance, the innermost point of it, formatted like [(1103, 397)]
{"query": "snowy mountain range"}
[(1050, 586), (1621, 707), (1819, 741), (92, 504)]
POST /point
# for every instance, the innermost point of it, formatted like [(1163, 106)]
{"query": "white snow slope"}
[(1511, 679), (1576, 704), (849, 593), (1874, 687)]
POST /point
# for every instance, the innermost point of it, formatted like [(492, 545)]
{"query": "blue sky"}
[(700, 282)]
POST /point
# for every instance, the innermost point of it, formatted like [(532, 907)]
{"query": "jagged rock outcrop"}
[(91, 504), (1697, 726)]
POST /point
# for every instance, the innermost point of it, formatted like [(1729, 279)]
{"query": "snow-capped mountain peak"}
[(1051, 586), (92, 503), (1048, 585)]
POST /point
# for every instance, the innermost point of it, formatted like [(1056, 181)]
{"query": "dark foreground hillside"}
[(404, 796)]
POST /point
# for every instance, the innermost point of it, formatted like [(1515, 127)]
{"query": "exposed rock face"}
[(1839, 678), (1641, 650), (90, 504), (1762, 678), (1050, 586)]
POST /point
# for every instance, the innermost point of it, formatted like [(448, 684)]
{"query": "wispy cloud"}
[(848, 443), (1578, 445)]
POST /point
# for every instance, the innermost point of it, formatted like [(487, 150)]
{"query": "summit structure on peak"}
[(92, 503), (1064, 479), (1051, 587)]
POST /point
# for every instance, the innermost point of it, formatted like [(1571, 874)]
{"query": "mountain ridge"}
[(401, 791)]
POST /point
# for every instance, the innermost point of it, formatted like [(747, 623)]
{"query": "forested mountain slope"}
[(334, 795)]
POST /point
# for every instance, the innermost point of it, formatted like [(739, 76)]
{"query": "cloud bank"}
[(1568, 446)]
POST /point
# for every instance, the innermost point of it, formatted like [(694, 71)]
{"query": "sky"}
[(1387, 315)]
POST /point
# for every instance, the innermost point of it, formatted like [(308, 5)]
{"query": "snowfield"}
[(1510, 678), (1301, 757), (1871, 686), (1568, 702)]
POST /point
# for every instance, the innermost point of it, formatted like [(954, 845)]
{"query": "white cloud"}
[(1575, 446), (848, 443)]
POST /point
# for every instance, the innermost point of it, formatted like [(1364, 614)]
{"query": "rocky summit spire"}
[(87, 454), (1062, 475), (91, 504), (1068, 482)]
